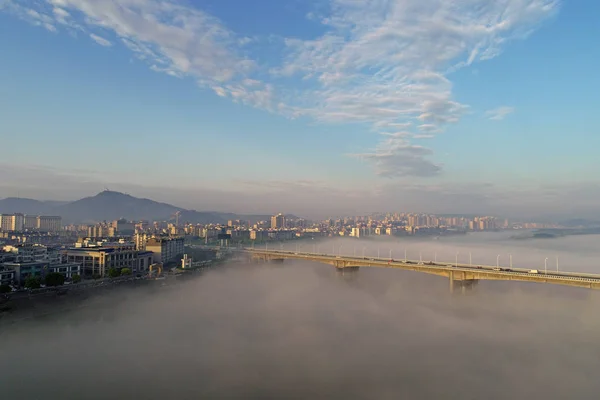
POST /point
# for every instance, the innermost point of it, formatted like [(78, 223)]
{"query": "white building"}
[(27, 253), (12, 222)]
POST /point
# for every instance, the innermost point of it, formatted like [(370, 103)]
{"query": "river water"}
[(303, 330)]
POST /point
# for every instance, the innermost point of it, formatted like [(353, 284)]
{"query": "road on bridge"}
[(455, 271)]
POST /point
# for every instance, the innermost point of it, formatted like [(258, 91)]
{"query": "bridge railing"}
[(438, 264)]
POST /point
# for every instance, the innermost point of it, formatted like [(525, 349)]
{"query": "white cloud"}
[(172, 37), (385, 63), (395, 157), (100, 40), (499, 113)]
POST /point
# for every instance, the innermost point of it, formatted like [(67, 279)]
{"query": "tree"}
[(32, 282), (96, 276), (76, 278), (125, 271), (113, 272), (5, 289), (55, 279)]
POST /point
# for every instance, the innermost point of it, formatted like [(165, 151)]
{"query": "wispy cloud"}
[(382, 62), (499, 113), (100, 40), (387, 62), (170, 36)]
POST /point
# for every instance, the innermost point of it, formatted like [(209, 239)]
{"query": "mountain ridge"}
[(110, 205)]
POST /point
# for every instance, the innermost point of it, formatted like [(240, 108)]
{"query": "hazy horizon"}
[(270, 206)]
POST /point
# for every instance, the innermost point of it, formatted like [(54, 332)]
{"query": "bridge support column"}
[(451, 279), (467, 285)]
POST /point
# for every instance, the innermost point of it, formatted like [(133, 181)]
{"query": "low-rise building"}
[(24, 253), (97, 260), (7, 276), (24, 270), (68, 270)]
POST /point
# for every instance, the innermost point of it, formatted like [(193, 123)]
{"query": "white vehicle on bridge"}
[(534, 271)]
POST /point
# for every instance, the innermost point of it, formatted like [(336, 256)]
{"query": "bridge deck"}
[(456, 272)]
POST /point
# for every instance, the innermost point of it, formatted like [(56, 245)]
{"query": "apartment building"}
[(12, 222)]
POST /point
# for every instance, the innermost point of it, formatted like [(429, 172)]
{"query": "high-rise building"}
[(30, 222), (12, 222), (278, 221), (47, 223)]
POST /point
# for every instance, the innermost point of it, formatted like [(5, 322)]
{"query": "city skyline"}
[(109, 205), (477, 107)]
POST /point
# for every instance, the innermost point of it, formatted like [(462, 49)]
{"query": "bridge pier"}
[(347, 273), (266, 258), (458, 278)]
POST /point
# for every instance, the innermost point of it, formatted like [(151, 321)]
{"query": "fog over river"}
[(301, 330)]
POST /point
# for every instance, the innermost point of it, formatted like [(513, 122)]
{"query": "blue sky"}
[(452, 106)]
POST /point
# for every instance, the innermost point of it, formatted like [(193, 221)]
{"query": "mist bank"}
[(572, 253), (302, 330)]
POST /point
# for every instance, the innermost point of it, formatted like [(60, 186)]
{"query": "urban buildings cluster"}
[(86, 251), (29, 223), (280, 227), (35, 245)]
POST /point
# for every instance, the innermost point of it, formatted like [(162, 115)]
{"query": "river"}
[(302, 330)]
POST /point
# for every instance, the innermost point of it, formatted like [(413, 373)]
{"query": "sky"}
[(276, 105)]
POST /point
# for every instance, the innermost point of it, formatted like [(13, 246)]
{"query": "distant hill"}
[(11, 205), (110, 205)]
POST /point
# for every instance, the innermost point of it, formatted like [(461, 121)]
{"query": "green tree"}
[(5, 289), (125, 271), (76, 278), (113, 272), (55, 279), (32, 282)]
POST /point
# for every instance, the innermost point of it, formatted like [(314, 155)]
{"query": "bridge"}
[(458, 274)]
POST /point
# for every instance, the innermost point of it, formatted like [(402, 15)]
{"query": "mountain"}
[(110, 205)]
